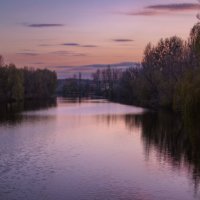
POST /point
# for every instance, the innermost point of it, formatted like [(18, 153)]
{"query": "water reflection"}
[(12, 113), (95, 149), (175, 141), (132, 121)]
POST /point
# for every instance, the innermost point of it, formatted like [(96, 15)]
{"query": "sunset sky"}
[(46, 33)]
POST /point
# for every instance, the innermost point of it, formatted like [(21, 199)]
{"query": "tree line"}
[(21, 84), (76, 87), (105, 83), (168, 77)]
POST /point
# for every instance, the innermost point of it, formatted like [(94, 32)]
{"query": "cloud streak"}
[(71, 44), (54, 53), (144, 13), (89, 46), (37, 63), (74, 44), (28, 54), (61, 52), (67, 53), (46, 45), (79, 54), (160, 9), (122, 40), (175, 7), (42, 25)]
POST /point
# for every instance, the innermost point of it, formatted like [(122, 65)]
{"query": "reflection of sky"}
[(90, 109), (56, 155), (76, 32)]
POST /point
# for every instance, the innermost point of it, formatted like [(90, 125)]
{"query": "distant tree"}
[(97, 81), (71, 88), (1, 61), (107, 82), (128, 86)]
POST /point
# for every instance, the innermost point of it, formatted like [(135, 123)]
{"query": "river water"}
[(97, 150)]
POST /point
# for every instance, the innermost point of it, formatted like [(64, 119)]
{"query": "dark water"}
[(96, 150)]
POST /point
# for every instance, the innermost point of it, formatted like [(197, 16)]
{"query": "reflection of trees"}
[(131, 121), (39, 105), (165, 132), (176, 141), (10, 113)]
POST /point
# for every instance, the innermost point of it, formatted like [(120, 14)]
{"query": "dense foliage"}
[(19, 84), (169, 76)]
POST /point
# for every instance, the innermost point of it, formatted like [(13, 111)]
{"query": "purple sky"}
[(46, 33)]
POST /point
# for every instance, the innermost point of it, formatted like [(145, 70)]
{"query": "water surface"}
[(94, 149)]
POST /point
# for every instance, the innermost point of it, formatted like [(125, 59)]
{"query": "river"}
[(97, 150)]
